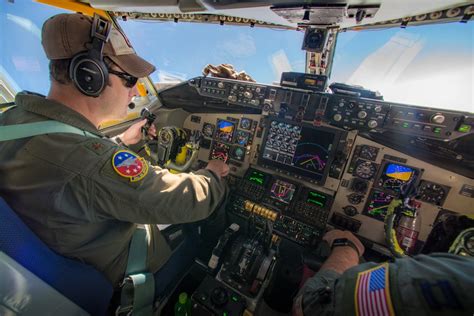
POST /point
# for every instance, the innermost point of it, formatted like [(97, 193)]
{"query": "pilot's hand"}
[(133, 134), (331, 235), (218, 167)]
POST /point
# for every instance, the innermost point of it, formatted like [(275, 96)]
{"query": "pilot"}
[(436, 284), (84, 195)]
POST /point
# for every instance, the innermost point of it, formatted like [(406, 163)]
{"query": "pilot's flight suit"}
[(438, 284), (66, 188)]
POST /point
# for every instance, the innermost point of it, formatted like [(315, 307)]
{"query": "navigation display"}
[(282, 191), (377, 205), (301, 149), (225, 130), (219, 151)]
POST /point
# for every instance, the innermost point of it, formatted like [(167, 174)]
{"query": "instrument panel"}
[(302, 165)]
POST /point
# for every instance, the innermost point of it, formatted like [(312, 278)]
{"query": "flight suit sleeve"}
[(438, 284), (154, 196)]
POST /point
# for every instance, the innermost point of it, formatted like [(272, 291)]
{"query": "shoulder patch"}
[(129, 165), (372, 292)]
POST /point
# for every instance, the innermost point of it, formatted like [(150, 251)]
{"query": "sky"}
[(425, 65)]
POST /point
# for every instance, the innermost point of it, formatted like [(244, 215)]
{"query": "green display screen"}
[(316, 198), (257, 177)]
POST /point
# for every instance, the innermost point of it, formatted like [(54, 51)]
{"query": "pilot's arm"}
[(439, 284), (125, 187)]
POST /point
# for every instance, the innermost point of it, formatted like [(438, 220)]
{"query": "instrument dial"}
[(365, 169), (433, 193), (245, 123), (369, 152), (350, 210), (208, 130), (355, 198)]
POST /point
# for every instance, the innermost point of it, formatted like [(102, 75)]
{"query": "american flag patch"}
[(372, 294)]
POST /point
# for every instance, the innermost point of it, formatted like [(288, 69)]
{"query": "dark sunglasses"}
[(130, 81)]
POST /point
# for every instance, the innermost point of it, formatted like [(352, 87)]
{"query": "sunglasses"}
[(130, 81)]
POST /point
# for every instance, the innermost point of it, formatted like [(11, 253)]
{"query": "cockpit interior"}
[(306, 153)]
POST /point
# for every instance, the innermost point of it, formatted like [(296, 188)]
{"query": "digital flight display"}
[(219, 151), (377, 205), (316, 198), (225, 130), (397, 177), (301, 149), (257, 177), (282, 191)]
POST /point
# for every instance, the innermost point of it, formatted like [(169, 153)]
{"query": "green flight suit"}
[(438, 284), (65, 188)]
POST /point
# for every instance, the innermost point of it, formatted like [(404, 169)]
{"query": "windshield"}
[(180, 51), (23, 63), (431, 65)]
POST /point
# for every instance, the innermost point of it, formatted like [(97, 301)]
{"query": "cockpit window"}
[(23, 63), (430, 65), (180, 51)]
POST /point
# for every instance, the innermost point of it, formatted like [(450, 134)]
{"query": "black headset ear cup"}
[(89, 74)]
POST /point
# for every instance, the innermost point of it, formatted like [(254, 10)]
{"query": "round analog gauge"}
[(432, 192), (355, 198), (238, 153), (245, 123), (369, 152), (365, 169), (350, 210), (208, 130), (243, 138)]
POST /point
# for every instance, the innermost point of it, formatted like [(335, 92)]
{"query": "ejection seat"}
[(32, 275)]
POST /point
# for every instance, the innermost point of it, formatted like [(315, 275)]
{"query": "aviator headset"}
[(87, 69)]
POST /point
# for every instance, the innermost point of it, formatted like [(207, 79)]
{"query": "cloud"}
[(168, 76), (241, 47), (25, 24), (280, 63)]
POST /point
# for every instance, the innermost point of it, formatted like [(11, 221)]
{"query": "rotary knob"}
[(438, 118), (362, 114), (232, 98), (220, 85), (337, 117), (372, 124), (254, 102), (248, 94), (378, 108)]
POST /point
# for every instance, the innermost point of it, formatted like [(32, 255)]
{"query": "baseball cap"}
[(65, 35)]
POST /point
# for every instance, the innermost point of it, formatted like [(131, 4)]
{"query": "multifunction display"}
[(299, 149), (282, 191)]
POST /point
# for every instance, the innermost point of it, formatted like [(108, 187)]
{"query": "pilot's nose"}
[(133, 91)]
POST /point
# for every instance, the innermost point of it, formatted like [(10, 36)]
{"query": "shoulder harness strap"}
[(10, 132), (138, 287)]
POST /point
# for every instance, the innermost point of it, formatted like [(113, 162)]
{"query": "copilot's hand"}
[(218, 167), (331, 235)]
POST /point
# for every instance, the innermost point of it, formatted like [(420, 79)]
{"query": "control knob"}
[(232, 98), (438, 118), (362, 114), (372, 124), (337, 117), (220, 85), (219, 296), (248, 94), (254, 102)]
